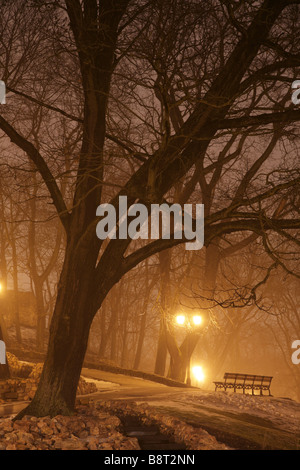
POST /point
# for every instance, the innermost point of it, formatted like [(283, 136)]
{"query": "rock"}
[(83, 434), (18, 368), (97, 427), (69, 444), (94, 431), (24, 438), (88, 429), (92, 443)]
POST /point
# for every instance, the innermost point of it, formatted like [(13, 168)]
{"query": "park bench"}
[(245, 382)]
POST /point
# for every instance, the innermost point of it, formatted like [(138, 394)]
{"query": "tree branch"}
[(42, 167), (255, 225), (288, 116)]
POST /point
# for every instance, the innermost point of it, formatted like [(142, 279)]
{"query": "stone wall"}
[(24, 380)]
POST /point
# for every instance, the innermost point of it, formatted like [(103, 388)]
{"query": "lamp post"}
[(190, 323)]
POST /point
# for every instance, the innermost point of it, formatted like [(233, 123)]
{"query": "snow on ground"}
[(101, 385), (284, 413)]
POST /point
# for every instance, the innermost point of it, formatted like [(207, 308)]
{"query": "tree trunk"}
[(181, 357), (16, 290), (68, 339), (113, 331), (162, 350), (142, 329), (41, 315), (124, 351), (141, 338), (103, 332), (165, 302), (176, 370)]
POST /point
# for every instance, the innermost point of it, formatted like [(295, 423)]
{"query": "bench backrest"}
[(248, 378)]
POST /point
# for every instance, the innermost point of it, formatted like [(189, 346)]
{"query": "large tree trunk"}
[(68, 339), (181, 357), (80, 295)]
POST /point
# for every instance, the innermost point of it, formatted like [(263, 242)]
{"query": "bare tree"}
[(103, 36)]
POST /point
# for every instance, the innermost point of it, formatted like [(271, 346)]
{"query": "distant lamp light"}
[(1, 287), (180, 319), (197, 320), (198, 373)]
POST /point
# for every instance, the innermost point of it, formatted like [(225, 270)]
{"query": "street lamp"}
[(197, 320), (183, 320), (198, 373), (180, 320)]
